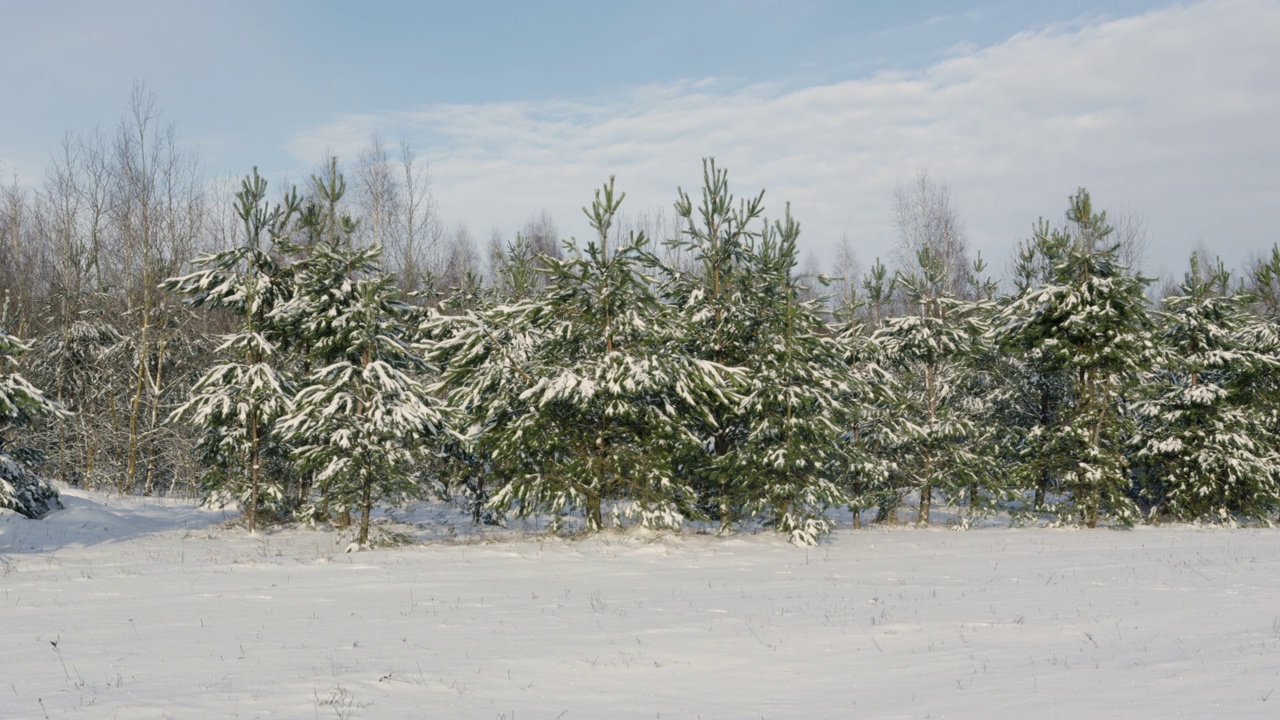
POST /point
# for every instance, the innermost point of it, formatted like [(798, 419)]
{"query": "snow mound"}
[(91, 518)]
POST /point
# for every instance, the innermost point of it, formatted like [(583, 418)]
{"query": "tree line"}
[(310, 356)]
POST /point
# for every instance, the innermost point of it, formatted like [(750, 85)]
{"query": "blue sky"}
[(1166, 111)]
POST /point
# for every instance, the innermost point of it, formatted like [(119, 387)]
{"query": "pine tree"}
[(21, 489), (1204, 450), (516, 276), (863, 474), (932, 434), (441, 336), (869, 476), (577, 396), (720, 322), (1090, 322), (237, 401), (74, 367), (795, 402), (1262, 335), (363, 419), (1265, 285), (777, 445), (1036, 385), (482, 344)]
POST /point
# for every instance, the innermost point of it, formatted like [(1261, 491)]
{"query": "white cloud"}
[(1172, 114)]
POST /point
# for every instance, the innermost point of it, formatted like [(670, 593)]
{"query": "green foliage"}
[(1266, 285), (603, 386), (931, 431), (794, 396), (21, 489), (236, 402), (1087, 319), (776, 448), (362, 419), (1204, 446), (577, 396), (717, 299)]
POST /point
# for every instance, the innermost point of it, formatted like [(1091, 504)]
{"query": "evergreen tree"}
[(1263, 393), (795, 401), (577, 396), (516, 276), (880, 290), (75, 366), (1036, 386), (1265, 285), (461, 463), (863, 475), (1204, 449), (1088, 321), (721, 322), (362, 420), (932, 433), (869, 476), (21, 489), (237, 401), (772, 448), (482, 344)]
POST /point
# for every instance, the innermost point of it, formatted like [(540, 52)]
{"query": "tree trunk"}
[(152, 452), (254, 456), (595, 518), (366, 508), (477, 502)]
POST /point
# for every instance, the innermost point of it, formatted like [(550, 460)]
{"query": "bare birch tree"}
[(925, 217), (157, 213)]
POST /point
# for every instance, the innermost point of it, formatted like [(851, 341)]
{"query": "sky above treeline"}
[(1167, 112)]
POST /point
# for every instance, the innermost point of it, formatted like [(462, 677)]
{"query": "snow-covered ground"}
[(135, 608)]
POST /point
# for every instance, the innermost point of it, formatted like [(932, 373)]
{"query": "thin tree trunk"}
[(366, 488), (135, 408), (926, 488), (366, 507), (926, 501), (149, 483), (254, 462)]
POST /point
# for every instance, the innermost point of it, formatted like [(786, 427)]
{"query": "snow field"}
[(125, 608)]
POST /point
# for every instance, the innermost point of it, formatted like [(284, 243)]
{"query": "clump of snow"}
[(142, 608)]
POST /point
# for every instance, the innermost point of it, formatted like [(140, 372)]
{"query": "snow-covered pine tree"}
[(931, 433), (769, 450), (868, 481), (482, 344), (577, 396), (881, 288), (986, 393), (1262, 335), (21, 488), (363, 419), (796, 399), (863, 475), (714, 291), (236, 402), (1204, 450), (453, 464), (516, 273), (482, 353), (461, 463), (1089, 321), (72, 366), (1264, 285), (1036, 385)]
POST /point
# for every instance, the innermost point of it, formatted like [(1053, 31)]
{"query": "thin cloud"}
[(1171, 113)]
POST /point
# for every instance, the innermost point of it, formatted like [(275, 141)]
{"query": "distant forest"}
[(308, 353)]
